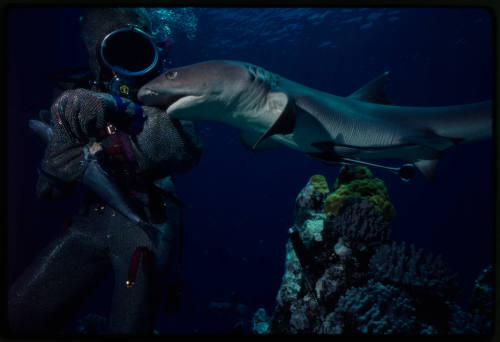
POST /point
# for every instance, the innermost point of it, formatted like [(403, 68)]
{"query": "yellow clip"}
[(124, 89), (94, 148)]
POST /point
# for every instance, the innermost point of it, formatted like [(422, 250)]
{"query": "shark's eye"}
[(171, 75)]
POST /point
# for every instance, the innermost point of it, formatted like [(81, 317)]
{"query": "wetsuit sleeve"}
[(167, 144)]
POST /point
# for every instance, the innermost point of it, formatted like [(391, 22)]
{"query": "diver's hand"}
[(71, 154)]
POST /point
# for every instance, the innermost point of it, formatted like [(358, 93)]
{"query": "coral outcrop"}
[(310, 199), (345, 275), (359, 182)]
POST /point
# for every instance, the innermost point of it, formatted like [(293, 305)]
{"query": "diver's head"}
[(122, 52)]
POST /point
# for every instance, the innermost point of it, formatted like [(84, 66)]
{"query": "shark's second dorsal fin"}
[(373, 91), (285, 123)]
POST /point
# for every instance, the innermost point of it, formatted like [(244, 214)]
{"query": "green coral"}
[(347, 175), (335, 200), (359, 182), (320, 184)]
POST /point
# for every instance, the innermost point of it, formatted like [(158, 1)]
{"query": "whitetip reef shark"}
[(270, 110)]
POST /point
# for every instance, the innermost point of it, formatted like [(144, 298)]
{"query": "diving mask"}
[(129, 51), (131, 55)]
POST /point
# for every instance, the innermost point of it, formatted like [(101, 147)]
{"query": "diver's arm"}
[(160, 142), (167, 144)]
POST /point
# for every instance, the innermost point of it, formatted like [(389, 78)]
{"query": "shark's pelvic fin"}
[(248, 139), (374, 91), (279, 102)]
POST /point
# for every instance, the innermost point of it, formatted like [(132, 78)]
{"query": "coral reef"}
[(372, 309), (412, 269), (358, 222), (320, 184), (359, 182), (260, 321), (481, 307), (478, 318), (344, 275), (310, 199)]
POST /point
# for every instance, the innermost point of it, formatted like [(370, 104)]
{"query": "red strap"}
[(124, 142), (113, 150), (134, 264)]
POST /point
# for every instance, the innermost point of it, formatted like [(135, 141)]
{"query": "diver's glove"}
[(71, 154), (72, 147), (78, 116), (159, 142)]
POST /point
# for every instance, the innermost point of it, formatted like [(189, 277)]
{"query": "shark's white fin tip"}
[(427, 167)]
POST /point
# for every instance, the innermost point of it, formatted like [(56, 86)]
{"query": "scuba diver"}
[(131, 221)]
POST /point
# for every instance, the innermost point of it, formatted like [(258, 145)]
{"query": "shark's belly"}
[(408, 153)]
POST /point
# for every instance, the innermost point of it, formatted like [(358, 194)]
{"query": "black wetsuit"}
[(100, 239)]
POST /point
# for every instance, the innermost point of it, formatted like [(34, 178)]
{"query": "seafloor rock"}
[(343, 275)]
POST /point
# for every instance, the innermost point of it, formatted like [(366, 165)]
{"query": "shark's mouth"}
[(183, 102), (152, 97), (167, 102)]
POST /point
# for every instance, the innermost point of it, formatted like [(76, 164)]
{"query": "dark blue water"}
[(242, 202)]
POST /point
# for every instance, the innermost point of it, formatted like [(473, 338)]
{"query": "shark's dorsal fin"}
[(279, 103), (373, 91), (248, 140)]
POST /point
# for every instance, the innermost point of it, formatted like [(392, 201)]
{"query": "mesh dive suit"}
[(101, 239)]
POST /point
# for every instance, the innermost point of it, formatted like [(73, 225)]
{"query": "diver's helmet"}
[(122, 51)]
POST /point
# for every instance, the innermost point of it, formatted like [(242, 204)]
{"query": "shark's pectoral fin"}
[(432, 141), (279, 103), (373, 91), (427, 167), (249, 139)]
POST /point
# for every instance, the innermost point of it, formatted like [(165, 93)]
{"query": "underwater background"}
[(242, 202)]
